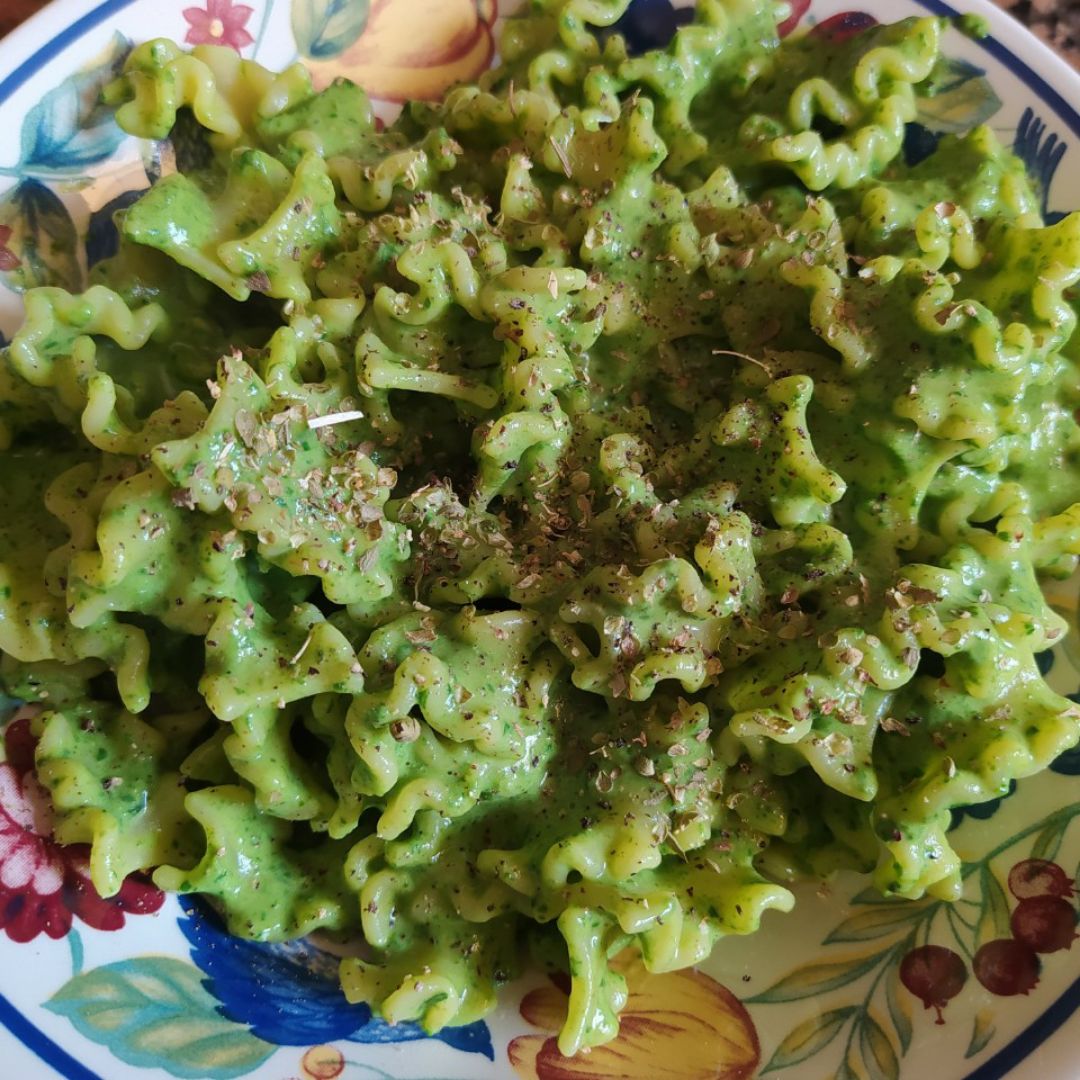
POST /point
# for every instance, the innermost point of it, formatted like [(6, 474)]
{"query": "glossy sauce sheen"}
[(573, 512)]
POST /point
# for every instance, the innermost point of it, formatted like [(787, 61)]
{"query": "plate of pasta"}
[(538, 541)]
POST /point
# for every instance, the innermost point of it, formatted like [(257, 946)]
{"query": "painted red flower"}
[(44, 885), (221, 22), (8, 259)]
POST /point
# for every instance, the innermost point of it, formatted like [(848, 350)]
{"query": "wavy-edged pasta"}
[(571, 512)]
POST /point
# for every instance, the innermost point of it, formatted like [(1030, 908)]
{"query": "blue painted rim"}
[(33, 1038), (1028, 76), (68, 36), (996, 1067), (1032, 1037), (1053, 1018)]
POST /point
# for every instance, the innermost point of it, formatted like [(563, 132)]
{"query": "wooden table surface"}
[(12, 12), (1055, 21)]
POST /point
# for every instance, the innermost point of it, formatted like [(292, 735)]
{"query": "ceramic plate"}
[(146, 986)]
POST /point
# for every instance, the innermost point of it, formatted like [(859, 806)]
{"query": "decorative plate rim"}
[(62, 24)]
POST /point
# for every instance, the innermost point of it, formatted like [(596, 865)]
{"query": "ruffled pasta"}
[(573, 512)]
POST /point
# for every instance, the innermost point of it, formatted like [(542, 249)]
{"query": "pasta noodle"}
[(575, 511)]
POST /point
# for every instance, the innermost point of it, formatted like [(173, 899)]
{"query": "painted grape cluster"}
[(935, 975), (1044, 921)]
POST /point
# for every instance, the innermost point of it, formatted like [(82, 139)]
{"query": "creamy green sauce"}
[(573, 512)]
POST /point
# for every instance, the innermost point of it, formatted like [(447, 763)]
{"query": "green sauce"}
[(575, 511)]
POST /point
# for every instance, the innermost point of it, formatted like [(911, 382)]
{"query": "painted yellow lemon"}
[(680, 1025), (415, 48)]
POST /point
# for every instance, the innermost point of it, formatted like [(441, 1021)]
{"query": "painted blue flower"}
[(289, 995), (1042, 156)]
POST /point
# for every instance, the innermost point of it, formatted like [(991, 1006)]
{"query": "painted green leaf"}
[(813, 979), (950, 72), (153, 1011), (848, 1069), (994, 915), (70, 127), (982, 1032), (962, 929), (899, 1004), (809, 1038), (959, 109), (40, 237), (1048, 842), (324, 28), (874, 896), (879, 921), (878, 1054)]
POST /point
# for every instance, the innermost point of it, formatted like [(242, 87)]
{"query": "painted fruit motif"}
[(414, 50)]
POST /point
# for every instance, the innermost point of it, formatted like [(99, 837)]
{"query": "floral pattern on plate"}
[(876, 978), (44, 885), (895, 952), (221, 22)]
